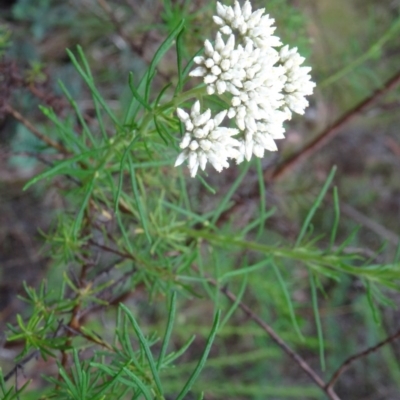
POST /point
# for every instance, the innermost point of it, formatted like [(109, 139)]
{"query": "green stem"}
[(174, 103), (375, 49)]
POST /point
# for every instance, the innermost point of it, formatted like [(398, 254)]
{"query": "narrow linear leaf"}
[(202, 360), (315, 206), (235, 305), (288, 299), (159, 54), (258, 222), (136, 94), (66, 133), (179, 51), (348, 240), (139, 383), (336, 207), (86, 131), (246, 270), (189, 65), (372, 306), (143, 218), (229, 194), (78, 221), (159, 131), (317, 320), (58, 168), (168, 331), (121, 172), (89, 82), (205, 184), (173, 356), (263, 205), (161, 94), (146, 348), (207, 287)]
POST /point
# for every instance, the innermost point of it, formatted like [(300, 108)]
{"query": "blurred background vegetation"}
[(353, 47)]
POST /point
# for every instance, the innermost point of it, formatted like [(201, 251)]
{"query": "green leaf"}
[(121, 172), (143, 217), (90, 83), (336, 207), (144, 343), (317, 320), (136, 94), (165, 46), (315, 206), (79, 217), (179, 51), (236, 303), (202, 360), (168, 331), (61, 167), (246, 270), (223, 203), (288, 299)]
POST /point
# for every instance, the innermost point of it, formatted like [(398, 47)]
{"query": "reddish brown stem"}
[(19, 117), (357, 356), (278, 340)]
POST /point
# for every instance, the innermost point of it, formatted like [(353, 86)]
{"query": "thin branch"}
[(278, 340), (393, 145), (74, 322), (357, 356), (94, 339), (329, 133), (111, 250), (29, 357), (372, 225), (19, 117), (24, 361)]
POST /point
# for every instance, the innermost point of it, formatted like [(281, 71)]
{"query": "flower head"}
[(204, 140), (253, 27), (218, 59), (298, 83), (264, 83)]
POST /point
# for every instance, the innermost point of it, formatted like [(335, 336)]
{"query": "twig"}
[(357, 356), (74, 322), (111, 302), (111, 250), (24, 361), (19, 117), (278, 340), (393, 145), (29, 356), (374, 226), (96, 340), (329, 133)]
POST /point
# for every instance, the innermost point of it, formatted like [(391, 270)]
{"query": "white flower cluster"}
[(265, 85), (205, 140)]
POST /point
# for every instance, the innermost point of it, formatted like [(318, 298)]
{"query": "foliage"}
[(134, 224)]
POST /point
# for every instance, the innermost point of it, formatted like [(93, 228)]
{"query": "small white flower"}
[(206, 141)]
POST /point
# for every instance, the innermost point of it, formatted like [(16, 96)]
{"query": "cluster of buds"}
[(264, 82)]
